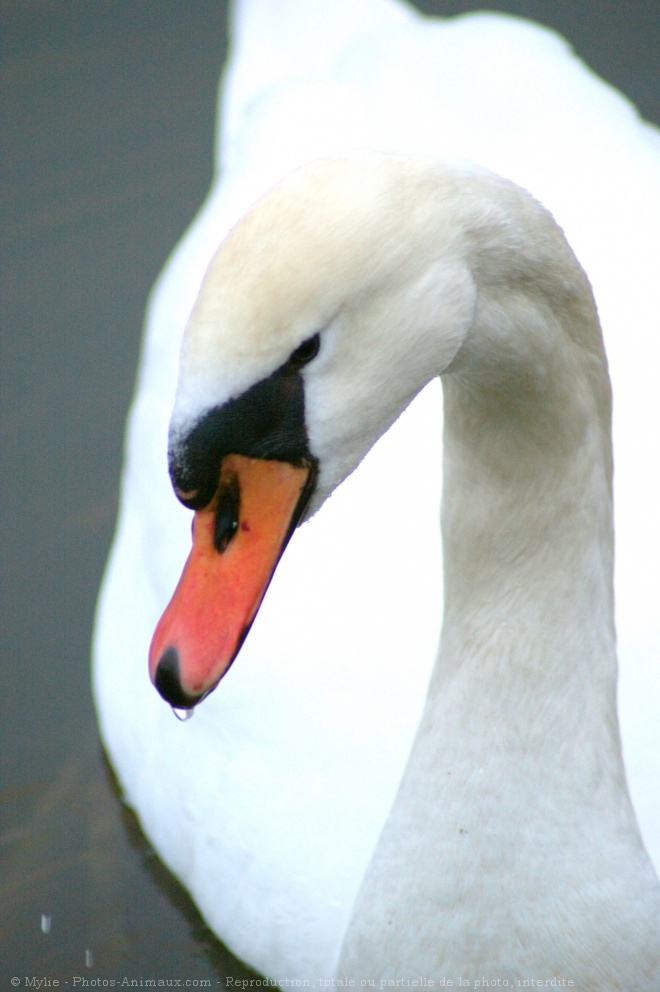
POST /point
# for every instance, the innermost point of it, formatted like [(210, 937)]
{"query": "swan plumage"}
[(245, 802)]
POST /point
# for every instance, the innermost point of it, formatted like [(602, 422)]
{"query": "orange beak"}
[(238, 540)]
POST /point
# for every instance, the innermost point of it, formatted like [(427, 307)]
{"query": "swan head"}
[(326, 309), (338, 280)]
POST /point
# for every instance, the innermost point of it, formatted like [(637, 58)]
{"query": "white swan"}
[(270, 803)]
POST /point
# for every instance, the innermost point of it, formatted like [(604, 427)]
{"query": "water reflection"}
[(83, 893)]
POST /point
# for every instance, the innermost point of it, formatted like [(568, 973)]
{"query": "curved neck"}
[(527, 516), (514, 797), (528, 553)]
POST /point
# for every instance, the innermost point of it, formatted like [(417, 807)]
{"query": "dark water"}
[(107, 136)]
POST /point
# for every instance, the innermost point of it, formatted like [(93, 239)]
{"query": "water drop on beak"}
[(183, 715)]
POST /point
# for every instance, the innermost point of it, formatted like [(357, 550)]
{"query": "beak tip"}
[(167, 680)]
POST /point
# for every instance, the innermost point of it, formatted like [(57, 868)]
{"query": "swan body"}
[(299, 803)]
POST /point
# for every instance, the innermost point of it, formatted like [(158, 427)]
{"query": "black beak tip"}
[(168, 682)]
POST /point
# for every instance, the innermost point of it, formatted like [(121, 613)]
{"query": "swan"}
[(273, 804), (324, 312)]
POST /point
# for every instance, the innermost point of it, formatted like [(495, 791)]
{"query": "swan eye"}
[(305, 352)]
